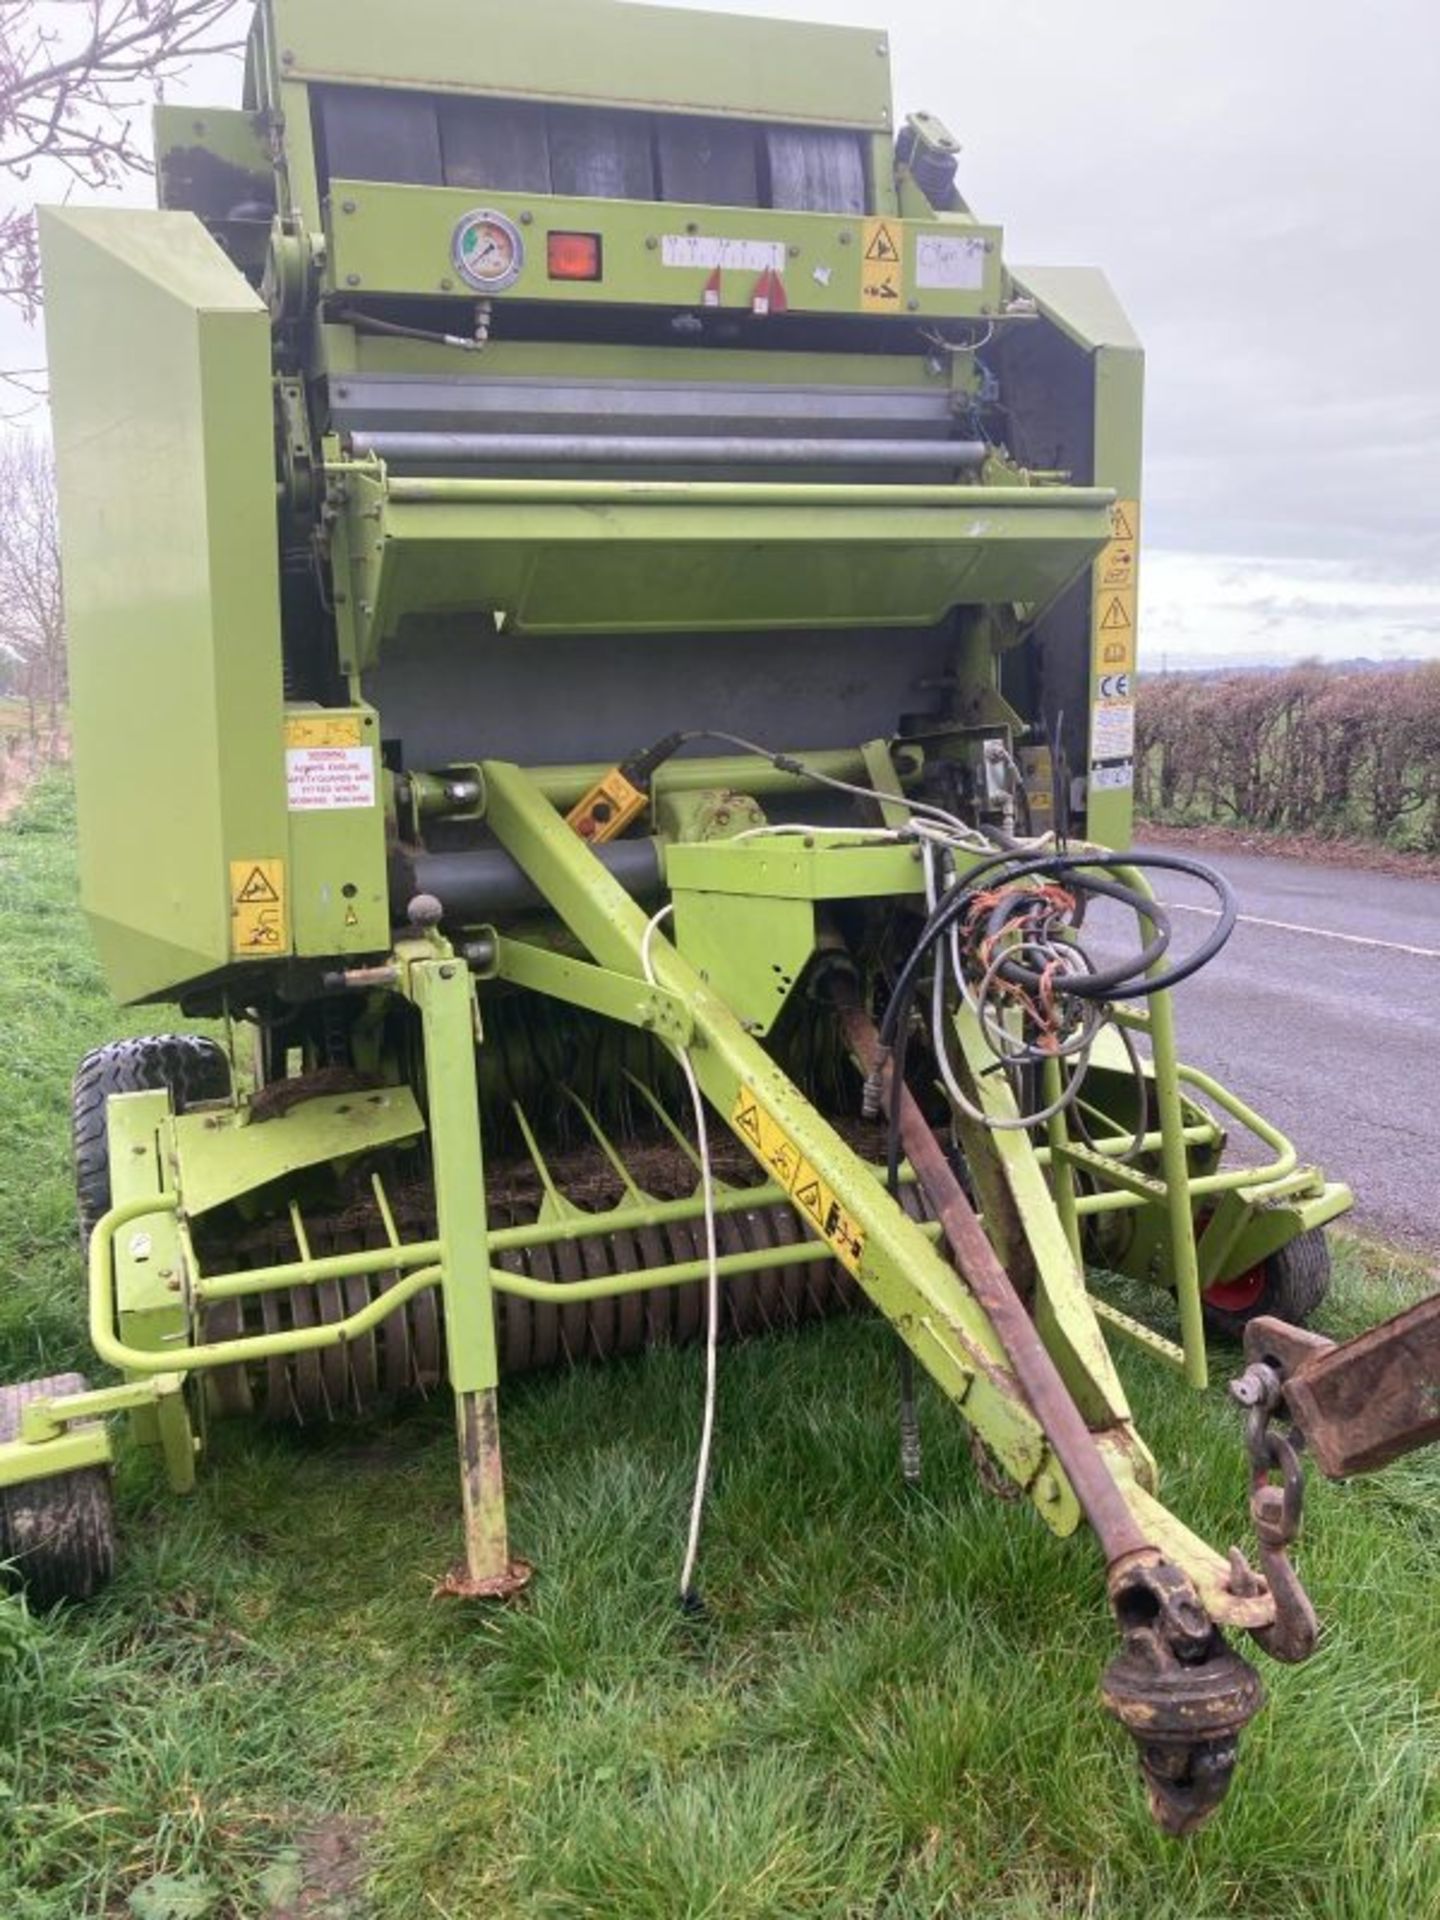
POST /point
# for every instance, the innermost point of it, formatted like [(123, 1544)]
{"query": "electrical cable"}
[(1129, 980), (940, 1045), (788, 763), (1064, 998), (1011, 910), (689, 1598)]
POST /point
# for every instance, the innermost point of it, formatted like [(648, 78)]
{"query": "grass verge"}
[(889, 1711)]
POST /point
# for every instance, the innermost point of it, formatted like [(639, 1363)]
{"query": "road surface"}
[(1323, 1012)]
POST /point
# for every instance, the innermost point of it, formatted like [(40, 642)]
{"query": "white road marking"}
[(1318, 933)]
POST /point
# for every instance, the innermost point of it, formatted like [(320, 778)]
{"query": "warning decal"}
[(258, 926), (325, 764), (1115, 592), (950, 261), (1112, 730), (882, 282), (711, 251), (808, 1192), (1115, 633), (324, 777), (322, 730), (1113, 779)]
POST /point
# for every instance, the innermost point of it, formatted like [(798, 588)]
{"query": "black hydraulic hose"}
[(1097, 985), (1127, 980), (1079, 865)]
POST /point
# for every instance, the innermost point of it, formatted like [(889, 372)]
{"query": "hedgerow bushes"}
[(1312, 749)]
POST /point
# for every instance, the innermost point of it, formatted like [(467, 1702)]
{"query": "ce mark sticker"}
[(1114, 686)]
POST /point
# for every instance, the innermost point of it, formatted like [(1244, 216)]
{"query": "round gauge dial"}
[(488, 250)]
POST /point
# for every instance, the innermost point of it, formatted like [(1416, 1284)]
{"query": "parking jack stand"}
[(442, 990)]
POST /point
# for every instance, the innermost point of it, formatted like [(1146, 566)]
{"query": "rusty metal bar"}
[(1100, 1498)]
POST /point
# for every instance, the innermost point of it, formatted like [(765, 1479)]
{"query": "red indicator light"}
[(573, 256)]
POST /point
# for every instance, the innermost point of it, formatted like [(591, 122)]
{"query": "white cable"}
[(852, 834), (918, 809), (712, 1278)]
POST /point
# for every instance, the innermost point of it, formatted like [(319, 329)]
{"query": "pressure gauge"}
[(488, 250)]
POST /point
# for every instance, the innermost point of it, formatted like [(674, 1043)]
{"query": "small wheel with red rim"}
[(1289, 1283)]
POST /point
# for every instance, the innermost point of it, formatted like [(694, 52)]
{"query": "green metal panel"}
[(827, 865), (1081, 303), (1119, 393), (397, 239), (220, 1156), (68, 1452), (590, 50), (638, 557), (160, 380), (759, 947), (210, 156), (150, 1259)]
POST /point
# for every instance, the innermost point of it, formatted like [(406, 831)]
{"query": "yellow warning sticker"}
[(322, 730), (882, 279), (258, 925), (1115, 632), (1114, 615), (1116, 566), (812, 1198)]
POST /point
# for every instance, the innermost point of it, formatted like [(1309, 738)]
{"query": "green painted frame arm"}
[(902, 1272)]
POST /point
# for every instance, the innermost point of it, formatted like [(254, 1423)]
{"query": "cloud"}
[(1197, 607)]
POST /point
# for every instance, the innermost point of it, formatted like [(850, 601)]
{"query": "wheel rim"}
[(1238, 1295)]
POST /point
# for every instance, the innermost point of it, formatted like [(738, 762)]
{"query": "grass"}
[(888, 1711)]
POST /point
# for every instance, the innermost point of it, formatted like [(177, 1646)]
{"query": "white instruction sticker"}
[(1113, 777), (322, 777), (709, 250), (1112, 729), (955, 260)]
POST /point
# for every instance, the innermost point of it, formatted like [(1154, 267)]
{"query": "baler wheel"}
[(57, 1536), (1290, 1284)]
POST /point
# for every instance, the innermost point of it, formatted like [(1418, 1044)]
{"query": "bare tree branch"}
[(74, 74), (32, 613)]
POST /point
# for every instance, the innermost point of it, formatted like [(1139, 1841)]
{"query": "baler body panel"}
[(160, 368), (397, 239), (611, 54), (766, 279)]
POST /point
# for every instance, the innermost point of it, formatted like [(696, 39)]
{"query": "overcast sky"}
[(1261, 181)]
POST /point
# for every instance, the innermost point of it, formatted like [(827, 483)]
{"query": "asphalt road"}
[(1323, 1012)]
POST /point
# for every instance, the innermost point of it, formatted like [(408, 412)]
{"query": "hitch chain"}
[(1276, 1509)]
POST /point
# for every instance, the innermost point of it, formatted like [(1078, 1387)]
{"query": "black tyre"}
[(1290, 1285), (57, 1536), (186, 1065)]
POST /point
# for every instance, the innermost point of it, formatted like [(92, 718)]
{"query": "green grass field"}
[(889, 1711)]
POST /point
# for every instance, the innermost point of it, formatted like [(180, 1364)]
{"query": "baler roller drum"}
[(484, 883), (370, 403), (679, 450), (404, 1355)]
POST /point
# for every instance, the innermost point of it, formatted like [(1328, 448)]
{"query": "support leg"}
[(443, 992)]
